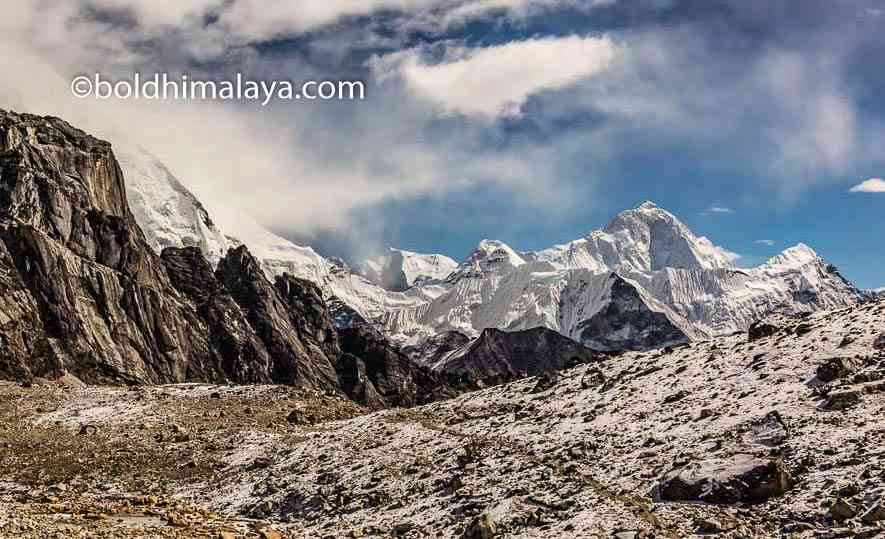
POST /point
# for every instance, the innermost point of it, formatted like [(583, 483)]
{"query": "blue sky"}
[(530, 121)]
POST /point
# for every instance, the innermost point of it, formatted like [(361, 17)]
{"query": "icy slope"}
[(398, 269), (169, 214)]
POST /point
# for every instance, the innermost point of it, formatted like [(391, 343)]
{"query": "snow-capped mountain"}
[(399, 270), (645, 280), (169, 214)]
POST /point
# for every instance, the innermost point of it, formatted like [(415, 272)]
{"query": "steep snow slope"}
[(398, 269), (169, 214)]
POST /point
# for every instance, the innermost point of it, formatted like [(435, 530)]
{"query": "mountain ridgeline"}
[(84, 294), (643, 281), (100, 281)]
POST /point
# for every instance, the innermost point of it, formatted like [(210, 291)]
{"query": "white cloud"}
[(264, 19), (717, 210), (494, 81), (767, 243), (873, 185), (299, 169)]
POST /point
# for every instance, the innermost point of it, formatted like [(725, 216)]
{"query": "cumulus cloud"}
[(297, 168), (496, 81), (786, 113), (873, 185)]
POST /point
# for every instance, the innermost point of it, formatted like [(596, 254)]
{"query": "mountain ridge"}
[(669, 281)]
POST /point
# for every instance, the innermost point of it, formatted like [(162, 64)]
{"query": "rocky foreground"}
[(779, 433)]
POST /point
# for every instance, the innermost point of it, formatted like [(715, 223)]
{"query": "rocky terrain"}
[(773, 433), (749, 404)]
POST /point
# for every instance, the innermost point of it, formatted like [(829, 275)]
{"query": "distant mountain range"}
[(643, 281)]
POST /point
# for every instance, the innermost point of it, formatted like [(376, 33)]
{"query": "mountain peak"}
[(797, 254), (398, 269), (649, 238), (490, 256)]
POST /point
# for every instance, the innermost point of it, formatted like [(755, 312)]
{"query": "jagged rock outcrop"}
[(629, 322), (297, 357), (83, 293), (376, 374), (436, 347), (237, 351), (499, 356)]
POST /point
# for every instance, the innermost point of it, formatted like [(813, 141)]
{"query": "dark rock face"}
[(372, 366), (357, 384), (837, 367), (343, 315), (83, 293), (236, 349), (294, 361), (309, 313), (106, 306), (24, 348), (738, 479), (499, 356), (436, 347), (627, 323)]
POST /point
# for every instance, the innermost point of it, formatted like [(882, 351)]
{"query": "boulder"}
[(837, 367), (482, 527), (740, 478), (874, 513), (760, 330), (769, 430), (843, 399), (842, 510)]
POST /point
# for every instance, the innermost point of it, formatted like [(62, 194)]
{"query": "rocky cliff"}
[(500, 356), (84, 294)]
